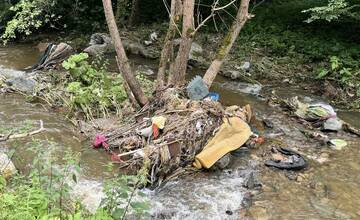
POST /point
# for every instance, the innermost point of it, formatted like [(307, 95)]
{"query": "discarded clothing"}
[(53, 55), (290, 161), (233, 133), (100, 141)]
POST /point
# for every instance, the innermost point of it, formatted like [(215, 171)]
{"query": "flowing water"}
[(328, 189)]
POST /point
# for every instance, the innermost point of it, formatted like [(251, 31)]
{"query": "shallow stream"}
[(326, 190)]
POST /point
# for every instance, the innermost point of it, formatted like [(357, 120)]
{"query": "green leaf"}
[(118, 213), (322, 74)]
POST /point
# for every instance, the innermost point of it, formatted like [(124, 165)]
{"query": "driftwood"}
[(4, 137)]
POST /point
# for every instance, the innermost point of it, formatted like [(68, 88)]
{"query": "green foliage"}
[(334, 10), (29, 15), (38, 195), (339, 70), (123, 195), (92, 89)]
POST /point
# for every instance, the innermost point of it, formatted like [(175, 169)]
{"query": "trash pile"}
[(319, 114), (175, 131), (323, 117)]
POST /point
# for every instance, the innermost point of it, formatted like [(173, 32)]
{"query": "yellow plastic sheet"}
[(233, 133), (159, 121)]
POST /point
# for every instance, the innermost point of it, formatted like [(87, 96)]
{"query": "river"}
[(326, 190)]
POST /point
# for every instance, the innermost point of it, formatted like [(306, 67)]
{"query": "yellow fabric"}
[(229, 137), (159, 121)]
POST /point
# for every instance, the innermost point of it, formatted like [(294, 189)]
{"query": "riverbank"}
[(225, 192)]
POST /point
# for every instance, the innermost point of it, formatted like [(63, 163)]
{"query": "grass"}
[(281, 45)]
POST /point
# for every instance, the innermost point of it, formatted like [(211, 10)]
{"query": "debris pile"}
[(171, 131)]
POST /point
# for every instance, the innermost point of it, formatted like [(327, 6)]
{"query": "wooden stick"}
[(15, 136)]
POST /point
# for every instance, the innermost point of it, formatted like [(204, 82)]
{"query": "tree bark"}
[(241, 18), (134, 12), (167, 51), (124, 65), (179, 68)]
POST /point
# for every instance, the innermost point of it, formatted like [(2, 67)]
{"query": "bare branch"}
[(22, 135)]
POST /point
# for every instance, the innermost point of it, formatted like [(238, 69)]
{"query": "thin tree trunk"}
[(134, 12), (124, 65), (166, 53), (179, 69), (241, 18)]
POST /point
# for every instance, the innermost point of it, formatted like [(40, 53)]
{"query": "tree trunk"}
[(241, 18), (166, 53), (124, 65), (134, 12), (179, 69)]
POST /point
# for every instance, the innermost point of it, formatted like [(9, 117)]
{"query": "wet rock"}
[(332, 124), (251, 181), (268, 123), (145, 70), (10, 74), (233, 74), (247, 200), (99, 43), (300, 178), (246, 66), (229, 212), (291, 175), (243, 87), (138, 49), (102, 43), (22, 84), (223, 162), (7, 167), (196, 53)]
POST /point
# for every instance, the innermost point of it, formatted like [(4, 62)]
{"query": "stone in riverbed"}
[(332, 124), (22, 84), (7, 168), (143, 69)]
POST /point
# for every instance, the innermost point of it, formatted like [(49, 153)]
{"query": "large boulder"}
[(101, 43), (17, 80), (23, 84)]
